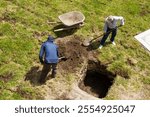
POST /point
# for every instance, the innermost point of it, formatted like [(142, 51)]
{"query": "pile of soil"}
[(71, 48)]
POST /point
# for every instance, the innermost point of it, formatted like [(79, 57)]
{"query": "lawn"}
[(25, 23)]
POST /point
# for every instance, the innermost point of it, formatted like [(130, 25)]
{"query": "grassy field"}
[(24, 23)]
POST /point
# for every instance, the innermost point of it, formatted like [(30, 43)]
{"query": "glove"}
[(120, 25), (41, 60)]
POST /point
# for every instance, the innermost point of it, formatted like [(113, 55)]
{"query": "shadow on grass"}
[(66, 32), (33, 75), (95, 44)]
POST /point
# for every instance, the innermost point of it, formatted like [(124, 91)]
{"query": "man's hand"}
[(120, 25), (41, 60)]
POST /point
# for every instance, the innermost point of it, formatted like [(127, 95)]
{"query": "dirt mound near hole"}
[(71, 48)]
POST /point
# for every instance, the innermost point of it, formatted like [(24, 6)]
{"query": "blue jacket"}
[(49, 51)]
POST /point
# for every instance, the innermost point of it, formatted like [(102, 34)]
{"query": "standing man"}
[(48, 52), (111, 27)]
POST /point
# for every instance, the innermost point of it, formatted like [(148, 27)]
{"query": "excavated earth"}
[(92, 80), (71, 48)]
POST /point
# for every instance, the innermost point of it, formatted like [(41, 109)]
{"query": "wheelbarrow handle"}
[(66, 28), (61, 29)]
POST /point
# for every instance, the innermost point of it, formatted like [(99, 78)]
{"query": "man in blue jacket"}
[(48, 52)]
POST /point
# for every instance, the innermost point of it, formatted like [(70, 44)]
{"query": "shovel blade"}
[(86, 43)]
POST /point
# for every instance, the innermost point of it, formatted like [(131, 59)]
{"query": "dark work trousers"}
[(113, 31), (46, 69)]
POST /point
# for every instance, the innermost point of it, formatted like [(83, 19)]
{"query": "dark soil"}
[(98, 80), (96, 84), (74, 52)]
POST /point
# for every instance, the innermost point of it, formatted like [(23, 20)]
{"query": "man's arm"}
[(58, 52), (41, 54), (121, 19), (105, 27)]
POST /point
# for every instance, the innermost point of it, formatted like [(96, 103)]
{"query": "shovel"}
[(87, 42), (90, 40), (62, 58)]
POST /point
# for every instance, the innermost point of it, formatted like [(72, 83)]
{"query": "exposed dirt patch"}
[(23, 94), (39, 35), (6, 17), (132, 61), (145, 11), (6, 77)]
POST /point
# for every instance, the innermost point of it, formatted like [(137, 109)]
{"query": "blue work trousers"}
[(46, 69), (113, 34)]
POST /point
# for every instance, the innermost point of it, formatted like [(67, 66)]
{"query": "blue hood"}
[(50, 38)]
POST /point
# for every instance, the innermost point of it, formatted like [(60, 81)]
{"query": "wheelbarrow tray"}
[(72, 18)]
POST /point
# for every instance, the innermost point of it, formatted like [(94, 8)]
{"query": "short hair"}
[(110, 18)]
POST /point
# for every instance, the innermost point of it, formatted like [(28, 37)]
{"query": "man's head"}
[(110, 18), (50, 38)]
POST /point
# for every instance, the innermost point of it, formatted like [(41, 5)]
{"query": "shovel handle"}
[(61, 29), (63, 57), (105, 33)]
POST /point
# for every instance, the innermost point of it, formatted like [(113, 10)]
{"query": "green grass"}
[(19, 46)]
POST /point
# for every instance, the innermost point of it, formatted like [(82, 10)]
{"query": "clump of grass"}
[(121, 69), (146, 80)]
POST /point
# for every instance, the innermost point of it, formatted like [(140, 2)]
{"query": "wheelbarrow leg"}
[(71, 27), (61, 29)]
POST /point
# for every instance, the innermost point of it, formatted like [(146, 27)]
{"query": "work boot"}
[(113, 43), (41, 81), (100, 47), (53, 75)]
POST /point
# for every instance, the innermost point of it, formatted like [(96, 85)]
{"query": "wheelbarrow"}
[(73, 19)]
